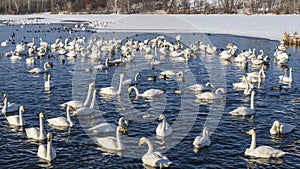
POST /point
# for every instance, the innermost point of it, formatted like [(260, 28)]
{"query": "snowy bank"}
[(265, 26)]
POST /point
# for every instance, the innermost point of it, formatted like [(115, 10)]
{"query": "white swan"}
[(108, 127), (128, 81), (77, 104), (281, 128), (204, 140), (112, 143), (38, 70), (37, 133), (9, 107), (111, 91), (286, 79), (244, 111), (211, 95), (199, 87), (148, 93), (47, 83), (261, 151), (62, 121), (83, 111), (17, 120), (163, 129), (47, 152), (241, 85), (153, 159)]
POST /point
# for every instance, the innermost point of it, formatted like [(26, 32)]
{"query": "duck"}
[(285, 79), (261, 151), (78, 104), (244, 111), (153, 159), (62, 121), (47, 83), (163, 129), (211, 95), (37, 133), (111, 91), (112, 143), (281, 128), (204, 140), (108, 127), (9, 107), (17, 120), (47, 152), (38, 70), (147, 94)]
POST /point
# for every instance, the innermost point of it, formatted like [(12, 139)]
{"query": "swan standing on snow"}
[(163, 129), (38, 70), (261, 151), (211, 95), (244, 111), (62, 121), (153, 159), (47, 152), (112, 143), (111, 91), (77, 104), (108, 127), (37, 133), (286, 79), (9, 107), (204, 140), (82, 111), (281, 128), (148, 93), (17, 120)]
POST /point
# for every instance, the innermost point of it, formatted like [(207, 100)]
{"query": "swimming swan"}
[(47, 152), (77, 104), (112, 143), (211, 95), (38, 70), (17, 120), (286, 79), (9, 107), (87, 110), (153, 159), (62, 121), (281, 128), (111, 91), (199, 87), (37, 133), (261, 151), (148, 93), (204, 140), (108, 127), (244, 111), (163, 129)]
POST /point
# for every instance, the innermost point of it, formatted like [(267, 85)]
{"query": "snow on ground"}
[(265, 26)]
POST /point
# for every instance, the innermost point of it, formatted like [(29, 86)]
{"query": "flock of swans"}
[(106, 50)]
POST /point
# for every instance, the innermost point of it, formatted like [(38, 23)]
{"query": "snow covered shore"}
[(264, 26)]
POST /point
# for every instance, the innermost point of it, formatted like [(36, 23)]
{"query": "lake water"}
[(76, 149)]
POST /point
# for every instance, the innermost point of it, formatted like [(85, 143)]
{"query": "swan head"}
[(206, 132), (161, 117), (22, 109), (4, 96), (122, 129), (49, 137), (142, 141), (277, 125), (92, 83), (122, 75), (42, 115), (250, 132)]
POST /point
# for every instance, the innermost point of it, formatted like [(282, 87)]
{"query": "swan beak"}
[(160, 118), (23, 110), (126, 122), (279, 131), (5, 96), (42, 115), (122, 129), (248, 132), (93, 83), (140, 142), (49, 136), (129, 91)]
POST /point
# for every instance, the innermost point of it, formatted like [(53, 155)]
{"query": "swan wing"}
[(242, 111), (13, 120), (196, 87), (108, 142), (266, 152), (104, 127), (201, 141), (35, 70), (163, 132), (83, 111), (108, 91), (74, 103), (32, 132), (42, 151), (205, 96), (156, 159), (152, 93), (59, 121)]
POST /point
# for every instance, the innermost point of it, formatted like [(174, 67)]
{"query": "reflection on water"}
[(76, 149)]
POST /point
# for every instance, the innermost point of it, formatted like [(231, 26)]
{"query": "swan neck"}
[(150, 147), (252, 101), (136, 90), (5, 104), (49, 149), (93, 100), (120, 121), (45, 66), (68, 116), (86, 102), (253, 142), (290, 77), (164, 125), (21, 117), (118, 137), (41, 136), (120, 85)]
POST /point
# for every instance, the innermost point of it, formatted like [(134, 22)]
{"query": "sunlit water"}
[(75, 149)]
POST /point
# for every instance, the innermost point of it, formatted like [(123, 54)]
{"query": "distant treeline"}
[(150, 6)]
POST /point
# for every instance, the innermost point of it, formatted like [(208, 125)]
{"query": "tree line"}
[(150, 6)]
